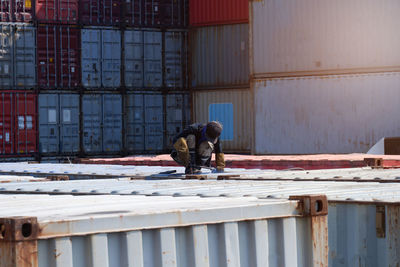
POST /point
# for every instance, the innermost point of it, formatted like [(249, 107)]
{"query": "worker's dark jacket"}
[(196, 129)]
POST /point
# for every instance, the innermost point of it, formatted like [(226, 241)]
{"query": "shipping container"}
[(16, 11), (100, 12), (144, 122), (17, 123), (324, 37), (18, 56), (133, 58), (212, 12), (56, 11), (160, 231), (58, 55), (178, 115), (220, 56), (101, 58), (325, 114), (156, 13), (234, 109), (102, 123), (363, 226), (59, 123), (175, 59)]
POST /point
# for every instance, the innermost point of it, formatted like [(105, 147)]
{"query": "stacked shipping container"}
[(219, 47), (87, 71)]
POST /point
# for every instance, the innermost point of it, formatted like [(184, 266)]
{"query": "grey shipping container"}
[(58, 123), (101, 58), (325, 114), (17, 56), (175, 58), (220, 56), (178, 115), (144, 122), (159, 231), (143, 58), (324, 37), (102, 123)]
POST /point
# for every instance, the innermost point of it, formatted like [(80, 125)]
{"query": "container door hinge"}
[(380, 219)]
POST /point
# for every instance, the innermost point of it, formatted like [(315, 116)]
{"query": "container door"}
[(112, 123), (5, 11), (49, 135), (90, 11), (6, 123), (6, 56), (134, 12), (91, 55), (110, 12), (133, 56), (152, 12), (47, 56), (92, 123), (23, 10), (69, 57), (135, 122), (174, 55), (68, 11), (111, 56), (25, 126), (152, 59), (174, 117), (69, 117), (46, 11), (172, 12), (25, 56), (153, 122)]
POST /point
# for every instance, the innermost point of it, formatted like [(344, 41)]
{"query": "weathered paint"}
[(239, 124), (160, 231), (325, 114), (220, 56), (310, 37)]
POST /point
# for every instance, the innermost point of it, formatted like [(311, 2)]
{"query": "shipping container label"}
[(52, 113), (66, 115), (21, 122), (7, 137), (28, 4), (29, 124)]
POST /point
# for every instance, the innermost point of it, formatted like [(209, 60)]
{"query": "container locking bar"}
[(312, 205), (18, 229)]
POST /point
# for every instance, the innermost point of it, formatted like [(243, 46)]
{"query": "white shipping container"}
[(326, 114), (102, 231), (291, 37)]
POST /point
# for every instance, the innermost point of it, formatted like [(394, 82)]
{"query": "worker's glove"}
[(182, 149), (220, 161)]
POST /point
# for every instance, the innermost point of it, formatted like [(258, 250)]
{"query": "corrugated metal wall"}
[(327, 114), (293, 37), (220, 56), (231, 107)]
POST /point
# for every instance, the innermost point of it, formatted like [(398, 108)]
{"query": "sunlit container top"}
[(213, 12)]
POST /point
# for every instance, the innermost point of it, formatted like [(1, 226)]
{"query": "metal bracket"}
[(312, 205), (380, 220), (18, 228)]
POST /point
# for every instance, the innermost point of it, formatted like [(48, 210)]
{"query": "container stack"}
[(219, 50), (92, 77)]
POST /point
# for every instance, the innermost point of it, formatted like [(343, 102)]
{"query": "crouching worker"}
[(194, 146)]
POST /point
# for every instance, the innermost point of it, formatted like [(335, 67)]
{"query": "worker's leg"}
[(205, 151)]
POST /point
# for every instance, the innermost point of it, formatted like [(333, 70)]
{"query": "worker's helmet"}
[(213, 131)]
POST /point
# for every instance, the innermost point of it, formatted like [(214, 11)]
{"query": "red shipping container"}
[(16, 11), (58, 56), (57, 11), (100, 12), (18, 123), (216, 12)]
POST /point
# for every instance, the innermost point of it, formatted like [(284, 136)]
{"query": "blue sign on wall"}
[(222, 112)]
